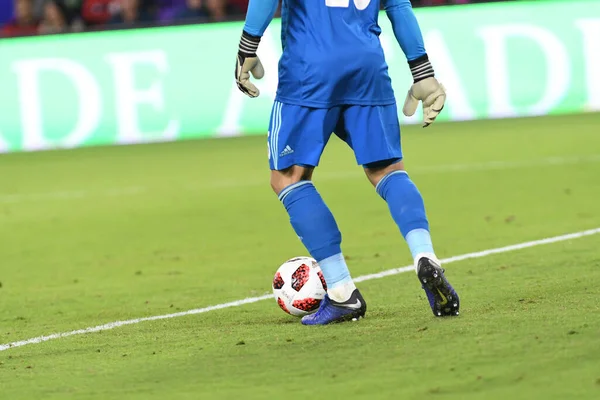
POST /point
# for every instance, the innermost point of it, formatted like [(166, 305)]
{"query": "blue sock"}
[(419, 242), (315, 226), (407, 209)]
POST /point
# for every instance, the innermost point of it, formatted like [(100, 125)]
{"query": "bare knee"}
[(294, 174), (375, 175)]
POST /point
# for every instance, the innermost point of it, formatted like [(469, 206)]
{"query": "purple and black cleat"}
[(442, 297), (331, 311)]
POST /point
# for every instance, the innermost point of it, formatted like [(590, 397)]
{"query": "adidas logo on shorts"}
[(287, 151)]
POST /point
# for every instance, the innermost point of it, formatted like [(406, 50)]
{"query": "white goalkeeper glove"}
[(425, 89), (248, 62)]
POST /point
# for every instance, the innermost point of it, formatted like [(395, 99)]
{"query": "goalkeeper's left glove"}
[(426, 89), (248, 62)]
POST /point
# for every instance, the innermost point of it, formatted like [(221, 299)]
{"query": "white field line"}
[(237, 303), (9, 198)]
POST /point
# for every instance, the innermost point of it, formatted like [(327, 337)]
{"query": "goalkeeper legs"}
[(316, 227), (297, 137), (407, 208), (374, 135)]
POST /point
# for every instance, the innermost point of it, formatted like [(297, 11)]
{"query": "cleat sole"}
[(353, 317), (446, 302)]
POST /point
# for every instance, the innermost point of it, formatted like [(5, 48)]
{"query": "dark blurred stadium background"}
[(123, 85), (35, 17)]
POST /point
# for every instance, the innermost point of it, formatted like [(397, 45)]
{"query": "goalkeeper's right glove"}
[(248, 62), (426, 89)]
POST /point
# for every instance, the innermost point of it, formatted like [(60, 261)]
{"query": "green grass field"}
[(97, 235)]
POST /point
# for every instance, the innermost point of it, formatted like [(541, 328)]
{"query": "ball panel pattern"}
[(300, 277), (322, 278), (278, 281), (307, 304), (282, 305)]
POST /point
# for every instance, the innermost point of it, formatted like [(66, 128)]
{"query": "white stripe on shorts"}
[(275, 134), (272, 132)]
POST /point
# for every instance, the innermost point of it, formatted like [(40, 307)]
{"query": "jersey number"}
[(360, 4)]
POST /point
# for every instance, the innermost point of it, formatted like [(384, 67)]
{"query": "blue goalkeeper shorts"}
[(298, 135)]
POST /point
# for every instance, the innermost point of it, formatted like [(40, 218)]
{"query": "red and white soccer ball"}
[(299, 286)]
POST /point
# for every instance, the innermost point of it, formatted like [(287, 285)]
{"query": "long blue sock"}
[(407, 209), (316, 227)]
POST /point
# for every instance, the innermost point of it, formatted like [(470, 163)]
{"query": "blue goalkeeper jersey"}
[(332, 54)]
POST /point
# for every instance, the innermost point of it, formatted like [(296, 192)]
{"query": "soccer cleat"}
[(331, 311), (443, 299)]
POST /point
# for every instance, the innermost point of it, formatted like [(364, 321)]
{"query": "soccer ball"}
[(299, 286)]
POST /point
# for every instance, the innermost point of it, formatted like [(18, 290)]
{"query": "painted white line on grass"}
[(116, 324), (249, 300), (485, 253)]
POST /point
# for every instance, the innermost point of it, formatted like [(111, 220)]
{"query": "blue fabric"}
[(335, 270), (284, 22), (6, 12), (419, 241), (312, 221), (406, 28), (298, 135), (259, 16), (332, 56), (404, 201)]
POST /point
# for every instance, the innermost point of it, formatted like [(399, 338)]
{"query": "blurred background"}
[(34, 17), (80, 73)]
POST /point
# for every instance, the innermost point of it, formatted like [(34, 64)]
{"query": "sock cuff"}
[(287, 190), (338, 257), (381, 184)]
